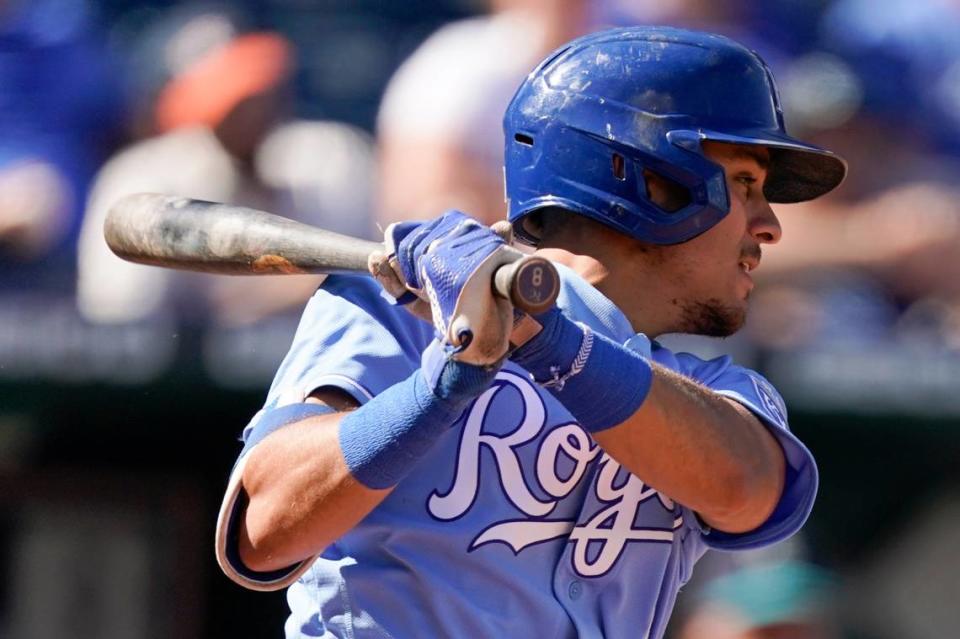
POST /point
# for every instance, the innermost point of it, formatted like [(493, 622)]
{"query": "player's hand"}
[(386, 270), (450, 262)]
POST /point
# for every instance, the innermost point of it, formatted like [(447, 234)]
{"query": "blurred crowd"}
[(208, 101), (214, 101)]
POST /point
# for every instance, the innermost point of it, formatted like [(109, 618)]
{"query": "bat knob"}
[(531, 284)]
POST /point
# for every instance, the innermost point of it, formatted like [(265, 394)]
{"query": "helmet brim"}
[(798, 171)]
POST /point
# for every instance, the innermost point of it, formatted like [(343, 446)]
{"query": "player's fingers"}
[(379, 266), (385, 270), (394, 265), (486, 317), (504, 229), (421, 309)]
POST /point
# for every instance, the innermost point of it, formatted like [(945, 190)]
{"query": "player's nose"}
[(764, 224)]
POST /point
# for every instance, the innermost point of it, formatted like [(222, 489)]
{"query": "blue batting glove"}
[(450, 261)]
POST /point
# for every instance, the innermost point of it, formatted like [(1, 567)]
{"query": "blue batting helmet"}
[(589, 120)]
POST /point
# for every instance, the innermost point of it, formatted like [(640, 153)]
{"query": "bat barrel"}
[(184, 233)]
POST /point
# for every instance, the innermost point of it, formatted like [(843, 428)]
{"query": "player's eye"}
[(748, 181)]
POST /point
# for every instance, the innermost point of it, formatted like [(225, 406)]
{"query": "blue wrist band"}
[(451, 379), (600, 382), (553, 350), (383, 439)]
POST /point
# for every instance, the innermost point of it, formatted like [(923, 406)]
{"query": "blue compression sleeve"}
[(383, 439), (600, 382)]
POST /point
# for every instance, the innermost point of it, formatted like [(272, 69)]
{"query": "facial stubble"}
[(711, 318)]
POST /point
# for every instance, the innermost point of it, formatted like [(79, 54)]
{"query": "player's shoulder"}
[(724, 376), (704, 370), (357, 290)]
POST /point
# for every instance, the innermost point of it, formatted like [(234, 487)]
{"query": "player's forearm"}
[(695, 446), (702, 450), (314, 479), (301, 493)]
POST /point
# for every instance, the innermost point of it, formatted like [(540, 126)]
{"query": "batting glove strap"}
[(600, 382), (384, 439)]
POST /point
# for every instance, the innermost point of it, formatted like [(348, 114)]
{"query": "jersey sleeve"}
[(350, 338), (753, 391)]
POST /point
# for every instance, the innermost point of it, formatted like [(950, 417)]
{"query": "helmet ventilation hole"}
[(619, 167), (523, 138)]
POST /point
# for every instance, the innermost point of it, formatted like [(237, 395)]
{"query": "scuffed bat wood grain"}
[(195, 235)]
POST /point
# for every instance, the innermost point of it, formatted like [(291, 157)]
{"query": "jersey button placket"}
[(575, 589)]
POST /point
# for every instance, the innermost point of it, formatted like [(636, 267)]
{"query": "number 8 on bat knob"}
[(531, 283)]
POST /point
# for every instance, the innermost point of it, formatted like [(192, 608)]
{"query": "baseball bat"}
[(195, 235)]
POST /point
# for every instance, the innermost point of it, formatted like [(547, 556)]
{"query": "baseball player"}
[(559, 476)]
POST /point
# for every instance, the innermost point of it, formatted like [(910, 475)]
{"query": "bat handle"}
[(531, 283)]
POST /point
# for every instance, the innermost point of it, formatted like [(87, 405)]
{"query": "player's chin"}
[(715, 317)]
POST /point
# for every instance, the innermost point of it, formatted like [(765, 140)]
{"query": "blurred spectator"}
[(35, 204), (160, 44), (705, 15), (439, 127), (897, 214), (59, 105), (784, 600), (226, 136)]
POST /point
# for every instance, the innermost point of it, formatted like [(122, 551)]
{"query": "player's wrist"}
[(550, 355), (611, 386), (599, 381), (453, 381), (383, 440)]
